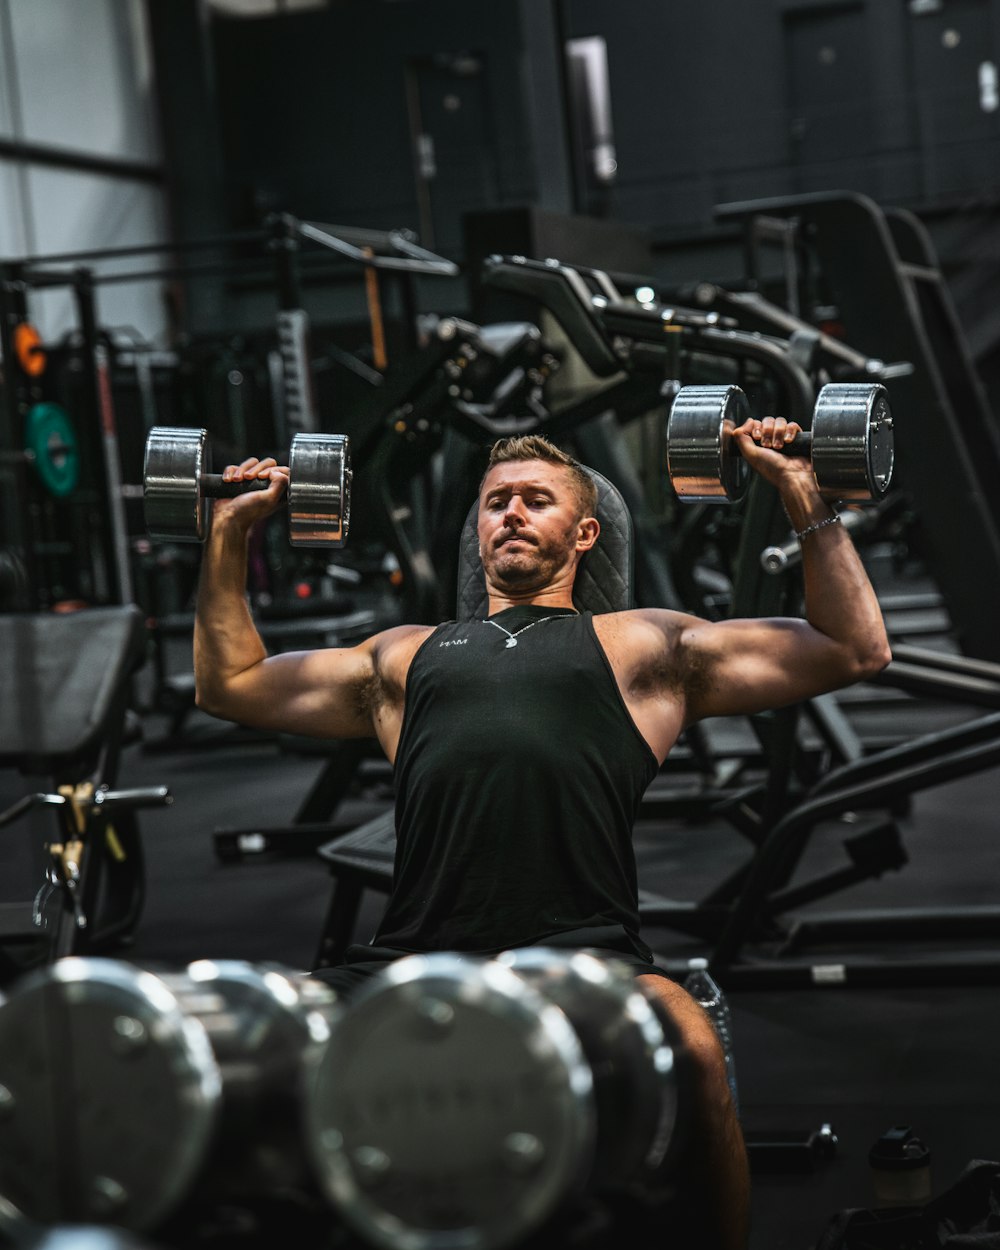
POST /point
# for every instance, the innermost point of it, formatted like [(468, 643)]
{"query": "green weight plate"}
[(50, 440)]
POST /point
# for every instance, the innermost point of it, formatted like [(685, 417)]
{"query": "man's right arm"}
[(325, 693)]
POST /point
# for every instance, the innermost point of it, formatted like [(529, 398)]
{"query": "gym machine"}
[(42, 445), (66, 529), (754, 901), (64, 720), (417, 444), (849, 446), (653, 340), (879, 270), (363, 859)]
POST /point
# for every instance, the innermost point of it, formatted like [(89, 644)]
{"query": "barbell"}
[(850, 443), (178, 487)]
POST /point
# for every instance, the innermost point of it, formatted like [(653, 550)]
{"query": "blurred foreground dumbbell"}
[(453, 1102), (178, 487), (850, 443), (466, 1102), (126, 1096)]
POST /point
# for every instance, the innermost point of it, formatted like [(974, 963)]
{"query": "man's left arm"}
[(740, 666)]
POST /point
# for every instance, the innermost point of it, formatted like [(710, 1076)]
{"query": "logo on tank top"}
[(454, 642)]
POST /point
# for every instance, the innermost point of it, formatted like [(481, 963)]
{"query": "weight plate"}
[(52, 448), (174, 506), (852, 441), (28, 349), (452, 1108), (113, 1097), (633, 1057), (703, 465), (319, 490)]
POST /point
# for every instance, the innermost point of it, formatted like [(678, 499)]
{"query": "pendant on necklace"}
[(511, 642)]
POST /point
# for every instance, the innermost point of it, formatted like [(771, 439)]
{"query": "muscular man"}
[(522, 743)]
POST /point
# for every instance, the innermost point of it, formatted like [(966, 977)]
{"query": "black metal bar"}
[(783, 842), (146, 249), (14, 506), (819, 887), (333, 784), (284, 243), (913, 751), (925, 924), (834, 728), (84, 162), (942, 659), (422, 263), (975, 968), (250, 270), (935, 683), (107, 463)]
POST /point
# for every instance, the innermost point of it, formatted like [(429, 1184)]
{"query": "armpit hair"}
[(375, 692), (666, 673), (371, 695), (693, 676)]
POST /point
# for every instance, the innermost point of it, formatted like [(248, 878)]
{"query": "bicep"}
[(734, 668), (323, 693)]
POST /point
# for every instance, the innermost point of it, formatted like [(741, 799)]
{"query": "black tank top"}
[(519, 775)]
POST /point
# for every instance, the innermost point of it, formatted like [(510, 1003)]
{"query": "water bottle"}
[(703, 988)]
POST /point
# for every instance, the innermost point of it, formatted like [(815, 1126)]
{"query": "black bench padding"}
[(62, 676)]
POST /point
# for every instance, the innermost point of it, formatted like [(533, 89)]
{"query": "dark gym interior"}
[(406, 229)]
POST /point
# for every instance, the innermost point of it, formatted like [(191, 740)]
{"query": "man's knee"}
[(701, 1043)]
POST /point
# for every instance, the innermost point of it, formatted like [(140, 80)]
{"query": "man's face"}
[(529, 524)]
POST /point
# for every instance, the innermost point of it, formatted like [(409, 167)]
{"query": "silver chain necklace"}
[(513, 637)]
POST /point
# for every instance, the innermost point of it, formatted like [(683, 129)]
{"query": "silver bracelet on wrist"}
[(817, 525)]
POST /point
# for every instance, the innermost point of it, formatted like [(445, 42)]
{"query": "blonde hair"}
[(537, 447)]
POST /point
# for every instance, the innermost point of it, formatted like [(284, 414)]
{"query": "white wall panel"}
[(84, 76), (76, 74), (13, 237), (74, 211), (8, 77)]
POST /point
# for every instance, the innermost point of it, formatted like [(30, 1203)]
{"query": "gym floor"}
[(863, 1060)]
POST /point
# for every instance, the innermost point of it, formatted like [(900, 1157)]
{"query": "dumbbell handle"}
[(802, 446), (214, 486)]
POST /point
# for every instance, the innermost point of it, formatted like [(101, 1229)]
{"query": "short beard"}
[(520, 575)]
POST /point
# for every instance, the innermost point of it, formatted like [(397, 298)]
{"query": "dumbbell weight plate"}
[(452, 1107), (852, 441), (94, 1053), (174, 463), (704, 466), (319, 490)]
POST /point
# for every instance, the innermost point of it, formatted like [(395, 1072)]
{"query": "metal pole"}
[(98, 374)]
